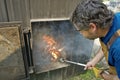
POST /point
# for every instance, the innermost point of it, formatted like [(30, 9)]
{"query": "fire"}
[(49, 40), (51, 47)]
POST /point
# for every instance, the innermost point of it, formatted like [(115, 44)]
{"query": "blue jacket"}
[(114, 51)]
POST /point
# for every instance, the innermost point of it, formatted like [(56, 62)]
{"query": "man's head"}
[(90, 16)]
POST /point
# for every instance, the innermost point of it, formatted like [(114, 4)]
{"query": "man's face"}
[(88, 34)]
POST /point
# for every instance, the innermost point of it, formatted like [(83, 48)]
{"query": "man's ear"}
[(92, 27)]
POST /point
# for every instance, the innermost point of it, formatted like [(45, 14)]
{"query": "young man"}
[(94, 20)]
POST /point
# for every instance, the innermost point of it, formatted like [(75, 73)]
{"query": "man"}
[(94, 20)]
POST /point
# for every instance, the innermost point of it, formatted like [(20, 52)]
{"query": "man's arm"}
[(95, 60)]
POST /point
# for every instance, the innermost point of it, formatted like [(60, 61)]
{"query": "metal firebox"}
[(74, 46)]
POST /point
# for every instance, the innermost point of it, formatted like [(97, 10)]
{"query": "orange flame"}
[(50, 41), (51, 47)]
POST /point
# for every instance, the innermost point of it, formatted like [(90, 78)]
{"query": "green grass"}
[(89, 75)]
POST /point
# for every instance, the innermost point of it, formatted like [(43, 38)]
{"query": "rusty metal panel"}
[(3, 12), (52, 8), (11, 60)]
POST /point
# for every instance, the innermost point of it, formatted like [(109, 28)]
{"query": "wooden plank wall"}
[(14, 10), (18, 10), (3, 12), (52, 8)]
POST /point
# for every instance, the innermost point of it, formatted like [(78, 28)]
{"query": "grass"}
[(89, 75)]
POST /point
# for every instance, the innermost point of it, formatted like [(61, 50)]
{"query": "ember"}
[(52, 47)]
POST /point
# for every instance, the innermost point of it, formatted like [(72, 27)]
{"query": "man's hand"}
[(89, 65)]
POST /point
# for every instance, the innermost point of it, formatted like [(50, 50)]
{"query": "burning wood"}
[(49, 40), (52, 47)]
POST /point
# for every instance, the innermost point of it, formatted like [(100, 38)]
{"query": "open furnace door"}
[(50, 36), (11, 60)]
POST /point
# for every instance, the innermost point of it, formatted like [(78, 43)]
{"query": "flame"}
[(50, 41), (55, 53), (51, 47)]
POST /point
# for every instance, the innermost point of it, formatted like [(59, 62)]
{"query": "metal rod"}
[(71, 62), (49, 19)]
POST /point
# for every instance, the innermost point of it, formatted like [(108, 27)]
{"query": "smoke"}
[(74, 46)]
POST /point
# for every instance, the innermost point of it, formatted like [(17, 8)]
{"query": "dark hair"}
[(92, 11)]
